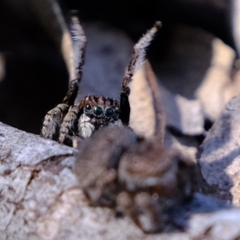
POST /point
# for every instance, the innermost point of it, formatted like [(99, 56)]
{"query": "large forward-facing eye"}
[(98, 111), (88, 107), (109, 112)]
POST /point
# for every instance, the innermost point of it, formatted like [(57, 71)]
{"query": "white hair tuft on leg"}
[(79, 45), (139, 54)]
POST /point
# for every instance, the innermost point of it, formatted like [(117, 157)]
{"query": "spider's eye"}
[(109, 112), (98, 111), (88, 107)]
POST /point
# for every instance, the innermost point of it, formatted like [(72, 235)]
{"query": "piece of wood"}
[(220, 155), (41, 199)]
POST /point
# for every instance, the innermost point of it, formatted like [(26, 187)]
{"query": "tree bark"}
[(41, 199)]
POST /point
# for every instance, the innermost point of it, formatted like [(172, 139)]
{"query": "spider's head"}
[(100, 110)]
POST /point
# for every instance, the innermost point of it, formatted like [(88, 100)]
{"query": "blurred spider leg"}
[(137, 60)]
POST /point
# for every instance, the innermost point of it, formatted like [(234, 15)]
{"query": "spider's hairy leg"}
[(54, 117), (139, 54), (137, 60), (53, 120), (125, 107), (79, 41), (69, 125), (72, 93)]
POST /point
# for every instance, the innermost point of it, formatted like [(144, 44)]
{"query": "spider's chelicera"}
[(70, 119)]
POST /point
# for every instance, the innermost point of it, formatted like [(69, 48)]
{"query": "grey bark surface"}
[(220, 155)]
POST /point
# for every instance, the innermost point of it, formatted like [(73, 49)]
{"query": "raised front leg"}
[(59, 115), (136, 61), (125, 106)]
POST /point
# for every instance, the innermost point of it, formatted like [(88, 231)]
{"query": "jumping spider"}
[(69, 119)]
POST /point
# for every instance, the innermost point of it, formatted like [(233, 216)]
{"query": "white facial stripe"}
[(85, 127)]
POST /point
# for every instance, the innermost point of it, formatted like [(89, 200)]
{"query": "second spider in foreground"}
[(70, 119)]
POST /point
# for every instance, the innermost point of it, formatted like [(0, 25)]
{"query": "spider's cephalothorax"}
[(91, 114), (70, 119), (100, 111)]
